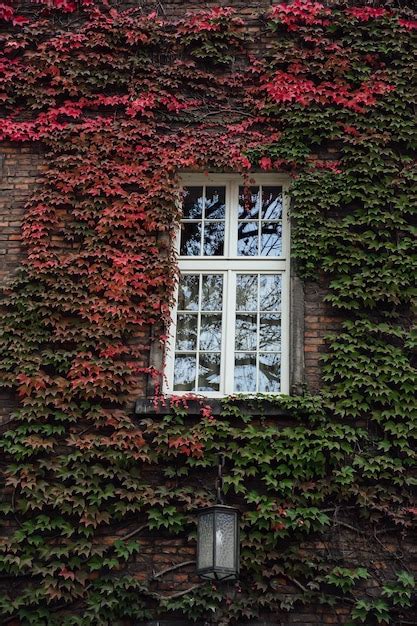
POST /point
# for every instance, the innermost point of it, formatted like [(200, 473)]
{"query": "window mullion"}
[(197, 354), (229, 354), (232, 215), (258, 321)]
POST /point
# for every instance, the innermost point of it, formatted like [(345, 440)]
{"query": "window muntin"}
[(198, 340), (230, 332), (257, 365), (203, 223), (260, 221)]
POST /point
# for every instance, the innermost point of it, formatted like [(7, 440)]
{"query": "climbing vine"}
[(119, 102)]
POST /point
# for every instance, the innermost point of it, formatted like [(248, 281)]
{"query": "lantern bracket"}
[(220, 481)]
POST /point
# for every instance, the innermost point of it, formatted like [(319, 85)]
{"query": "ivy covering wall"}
[(120, 102)]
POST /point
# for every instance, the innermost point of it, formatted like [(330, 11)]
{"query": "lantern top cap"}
[(220, 508)]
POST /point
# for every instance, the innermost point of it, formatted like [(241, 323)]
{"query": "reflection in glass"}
[(184, 372), (212, 292), (225, 533), (245, 372), (215, 206), (271, 203), (205, 540), (269, 373), (249, 203), (247, 238), (209, 372), (213, 238), (186, 331), (270, 292), (271, 239), (245, 334), (190, 239), (270, 332), (246, 292), (210, 332), (188, 292), (193, 203)]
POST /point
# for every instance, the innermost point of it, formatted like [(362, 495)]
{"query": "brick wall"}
[(20, 168)]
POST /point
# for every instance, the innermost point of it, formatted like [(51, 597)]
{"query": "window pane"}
[(190, 239), (247, 292), (215, 206), (245, 337), (186, 331), (249, 203), (247, 238), (271, 203), (213, 238), (209, 372), (270, 332), (245, 372), (193, 203), (212, 292), (269, 373), (211, 332), (271, 239), (270, 292), (184, 372), (188, 292)]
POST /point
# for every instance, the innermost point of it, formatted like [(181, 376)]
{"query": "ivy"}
[(120, 102)]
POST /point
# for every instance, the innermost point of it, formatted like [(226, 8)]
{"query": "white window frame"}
[(229, 265)]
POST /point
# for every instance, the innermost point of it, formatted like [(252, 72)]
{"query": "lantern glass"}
[(218, 543), (205, 541)]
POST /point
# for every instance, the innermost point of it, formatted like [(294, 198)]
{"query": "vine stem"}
[(134, 532), (156, 575), (178, 594)]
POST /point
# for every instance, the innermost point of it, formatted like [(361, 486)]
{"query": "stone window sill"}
[(252, 406)]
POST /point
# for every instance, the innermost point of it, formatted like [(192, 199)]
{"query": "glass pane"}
[(247, 292), (188, 292), (212, 292), (271, 239), (211, 332), (213, 238), (269, 373), (193, 203), (184, 372), (270, 332), (225, 540), (215, 203), (190, 239), (270, 292), (245, 338), (186, 338), (209, 372), (271, 203), (249, 203), (205, 541), (247, 238), (245, 372)]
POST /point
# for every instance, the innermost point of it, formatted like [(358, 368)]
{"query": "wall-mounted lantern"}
[(218, 538)]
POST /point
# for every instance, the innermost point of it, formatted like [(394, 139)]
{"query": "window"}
[(230, 328)]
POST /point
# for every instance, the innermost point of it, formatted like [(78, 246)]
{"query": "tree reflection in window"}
[(203, 221), (258, 333), (198, 333), (260, 221)]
